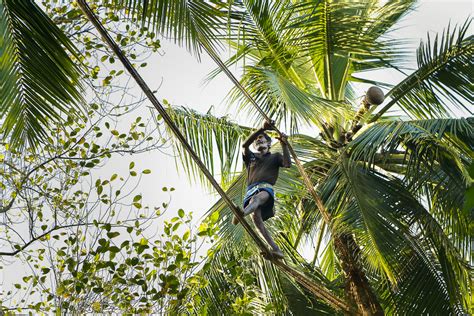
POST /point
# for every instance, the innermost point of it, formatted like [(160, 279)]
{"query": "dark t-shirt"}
[(263, 168)]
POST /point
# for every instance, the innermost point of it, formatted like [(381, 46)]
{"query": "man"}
[(262, 173)]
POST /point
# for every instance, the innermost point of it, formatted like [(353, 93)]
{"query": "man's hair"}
[(268, 138)]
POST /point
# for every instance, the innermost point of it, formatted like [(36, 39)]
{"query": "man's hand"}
[(283, 138), (268, 125)]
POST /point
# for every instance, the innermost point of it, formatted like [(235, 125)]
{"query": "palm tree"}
[(394, 186)]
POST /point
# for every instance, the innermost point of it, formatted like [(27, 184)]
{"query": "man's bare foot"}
[(277, 254), (273, 254), (235, 220)]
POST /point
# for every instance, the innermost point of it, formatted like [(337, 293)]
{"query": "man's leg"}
[(257, 218), (254, 206), (255, 202)]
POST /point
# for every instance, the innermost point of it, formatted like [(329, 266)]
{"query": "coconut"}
[(374, 96)]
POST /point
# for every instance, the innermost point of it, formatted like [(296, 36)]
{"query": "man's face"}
[(261, 144)]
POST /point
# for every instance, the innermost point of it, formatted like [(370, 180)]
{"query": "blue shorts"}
[(267, 208)]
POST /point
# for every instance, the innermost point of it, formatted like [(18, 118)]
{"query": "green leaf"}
[(186, 235), (206, 132), (188, 22), (113, 234), (35, 88), (443, 76)]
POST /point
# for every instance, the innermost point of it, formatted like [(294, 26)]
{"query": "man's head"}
[(262, 143)]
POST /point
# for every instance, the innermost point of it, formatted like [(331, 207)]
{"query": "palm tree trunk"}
[(358, 290)]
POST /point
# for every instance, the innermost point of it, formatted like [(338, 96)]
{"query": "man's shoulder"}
[(276, 155)]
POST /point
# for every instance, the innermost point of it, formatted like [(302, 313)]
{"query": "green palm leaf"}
[(444, 75), (284, 101), (236, 269), (38, 80), (380, 20), (262, 29), (387, 222), (187, 22), (340, 37), (432, 157), (387, 136), (210, 137)]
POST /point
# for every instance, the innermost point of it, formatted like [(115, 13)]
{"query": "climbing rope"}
[(316, 289)]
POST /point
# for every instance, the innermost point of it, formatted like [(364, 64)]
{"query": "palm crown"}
[(394, 187)]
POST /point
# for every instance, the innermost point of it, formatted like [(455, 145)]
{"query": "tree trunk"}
[(358, 290)]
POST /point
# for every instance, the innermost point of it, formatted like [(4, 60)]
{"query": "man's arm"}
[(286, 163)]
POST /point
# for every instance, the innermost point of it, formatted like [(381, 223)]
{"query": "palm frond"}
[(341, 37), (38, 79), (227, 282), (189, 22), (432, 157), (444, 75), (285, 102), (262, 29), (387, 52), (210, 137), (296, 204), (388, 14), (387, 136), (389, 223), (263, 37)]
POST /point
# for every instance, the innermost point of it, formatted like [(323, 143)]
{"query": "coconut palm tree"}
[(393, 184)]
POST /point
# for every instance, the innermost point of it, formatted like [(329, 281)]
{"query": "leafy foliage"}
[(340, 38), (443, 75), (397, 187), (39, 79), (83, 234), (193, 23), (385, 218), (208, 134), (400, 190)]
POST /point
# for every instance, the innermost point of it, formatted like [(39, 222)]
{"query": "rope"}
[(316, 289)]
